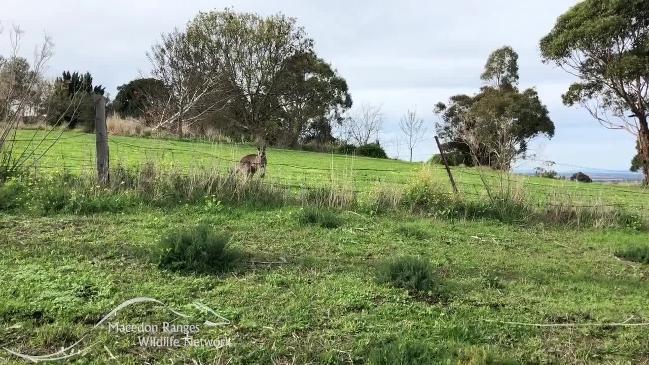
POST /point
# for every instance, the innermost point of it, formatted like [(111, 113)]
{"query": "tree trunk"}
[(179, 127), (643, 142), (410, 154)]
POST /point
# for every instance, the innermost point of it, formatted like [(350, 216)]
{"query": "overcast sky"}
[(399, 54)]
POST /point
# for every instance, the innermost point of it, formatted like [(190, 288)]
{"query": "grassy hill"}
[(75, 151), (308, 292)]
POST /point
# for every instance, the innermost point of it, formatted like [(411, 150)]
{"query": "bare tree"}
[(413, 128), (364, 125), (22, 89), (192, 76)]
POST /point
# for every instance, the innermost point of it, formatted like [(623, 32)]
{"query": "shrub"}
[(346, 149), (11, 193), (198, 249), (581, 177), (385, 198), (322, 218), (636, 253), (408, 353), (411, 273), (425, 193), (453, 158), (371, 150), (546, 173)]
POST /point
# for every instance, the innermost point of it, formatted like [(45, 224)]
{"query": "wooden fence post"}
[(448, 170), (101, 132)]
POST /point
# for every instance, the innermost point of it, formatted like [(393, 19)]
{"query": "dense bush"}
[(320, 217), (346, 149), (636, 253), (198, 249), (371, 150), (581, 177), (368, 150), (453, 158), (11, 194), (411, 273)]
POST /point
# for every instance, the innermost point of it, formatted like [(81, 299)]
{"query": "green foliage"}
[(414, 274), (367, 150), (546, 173), (371, 150), (424, 193), (72, 101), (581, 177), (494, 126), (138, 96), (319, 217), (346, 149), (302, 94), (639, 253), (502, 67), (199, 249), (12, 193), (338, 197), (402, 353), (604, 43), (454, 157)]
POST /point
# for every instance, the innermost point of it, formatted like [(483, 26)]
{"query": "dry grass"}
[(39, 125), (126, 127)]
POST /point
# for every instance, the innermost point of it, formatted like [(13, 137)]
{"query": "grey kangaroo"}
[(250, 164)]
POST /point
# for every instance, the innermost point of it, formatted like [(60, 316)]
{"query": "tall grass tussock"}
[(131, 127), (149, 184), (198, 249)]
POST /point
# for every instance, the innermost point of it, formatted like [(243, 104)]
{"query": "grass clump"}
[(413, 230), (337, 197), (11, 193), (407, 353), (322, 218), (198, 249), (411, 273), (636, 254)]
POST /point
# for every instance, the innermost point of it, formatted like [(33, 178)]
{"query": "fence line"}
[(348, 174)]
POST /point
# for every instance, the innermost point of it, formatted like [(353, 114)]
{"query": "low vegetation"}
[(319, 217), (414, 274), (198, 249), (637, 253)]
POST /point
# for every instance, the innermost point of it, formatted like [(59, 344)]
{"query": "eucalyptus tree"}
[(494, 126), (605, 43)]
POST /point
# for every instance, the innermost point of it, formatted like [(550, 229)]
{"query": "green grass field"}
[(75, 151), (305, 294)]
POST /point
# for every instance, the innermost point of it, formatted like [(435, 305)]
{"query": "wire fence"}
[(75, 153)]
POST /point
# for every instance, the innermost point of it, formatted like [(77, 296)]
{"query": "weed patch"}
[(414, 274), (198, 249), (320, 217), (636, 254)]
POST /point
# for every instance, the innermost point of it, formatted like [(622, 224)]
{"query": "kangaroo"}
[(250, 164)]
